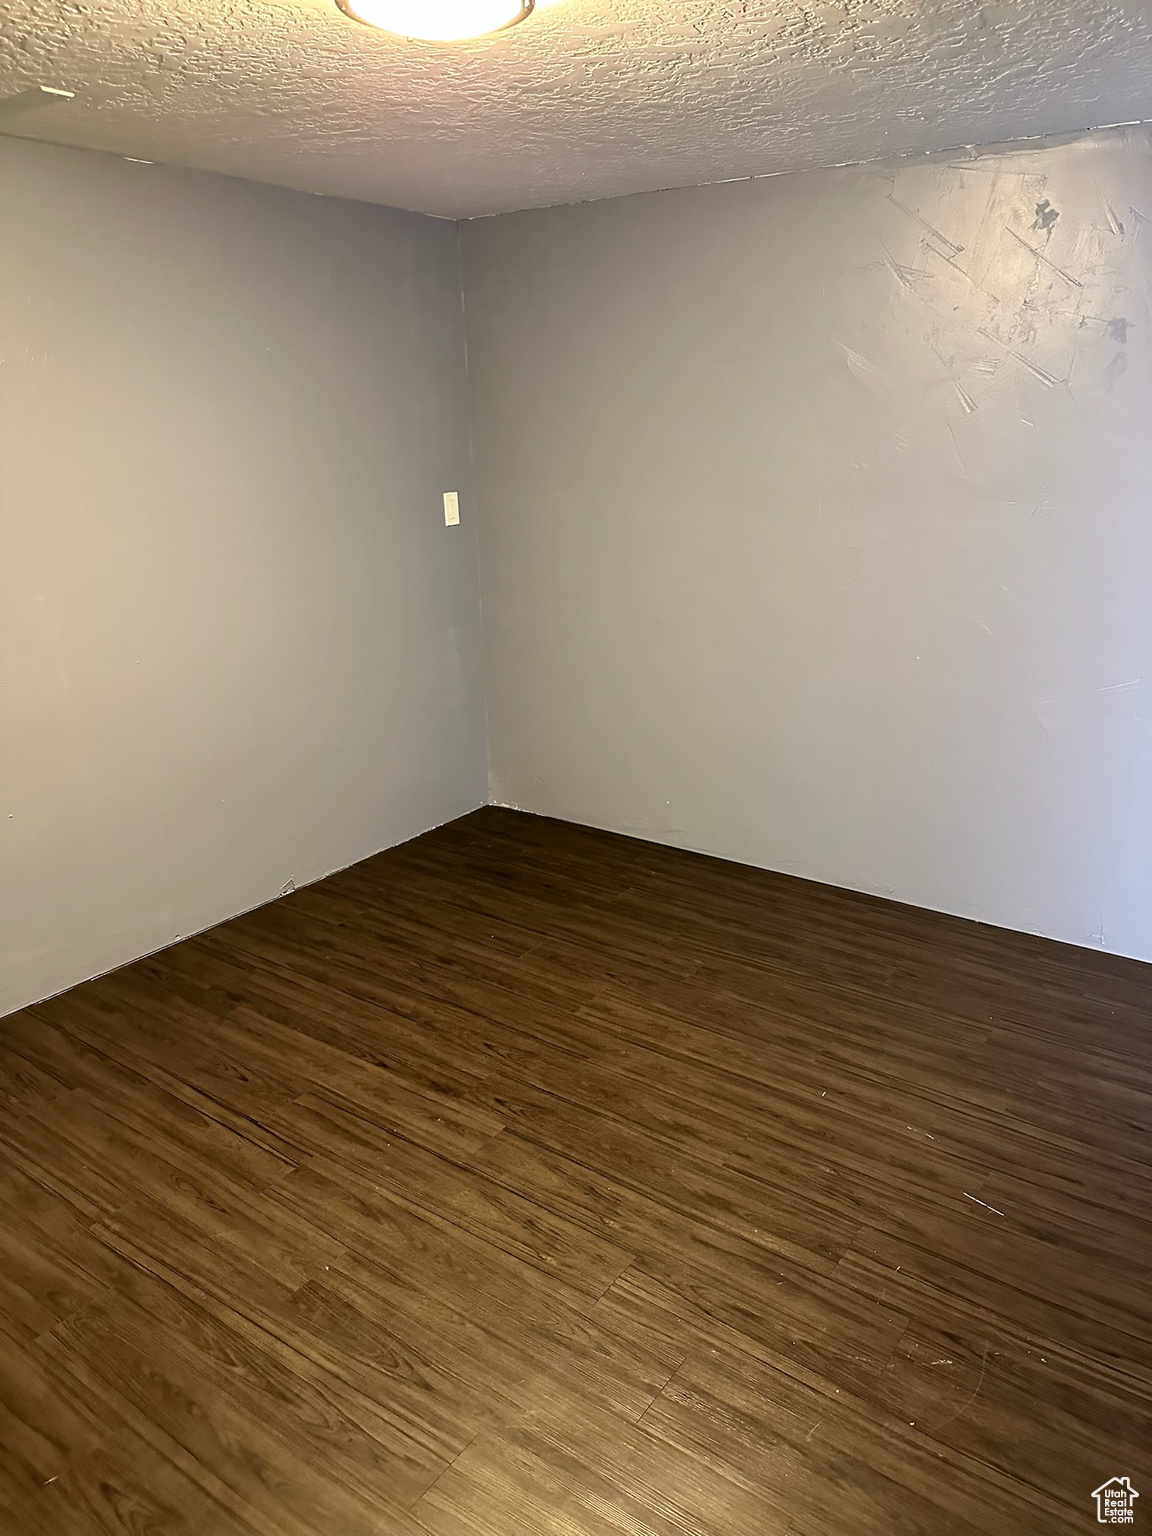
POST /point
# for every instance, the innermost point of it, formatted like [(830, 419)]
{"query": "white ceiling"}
[(589, 98)]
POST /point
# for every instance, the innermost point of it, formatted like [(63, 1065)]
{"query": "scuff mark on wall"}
[(1094, 707), (1048, 380), (1114, 223), (1113, 370), (1046, 215), (950, 245), (1040, 256), (1020, 309), (863, 371)]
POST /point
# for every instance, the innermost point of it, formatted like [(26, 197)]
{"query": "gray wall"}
[(816, 525), (238, 646)]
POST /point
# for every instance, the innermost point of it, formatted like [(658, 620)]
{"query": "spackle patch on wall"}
[(997, 278)]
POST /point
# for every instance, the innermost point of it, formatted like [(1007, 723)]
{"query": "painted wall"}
[(816, 525), (238, 646)]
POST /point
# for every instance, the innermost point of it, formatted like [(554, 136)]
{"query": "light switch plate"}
[(451, 508)]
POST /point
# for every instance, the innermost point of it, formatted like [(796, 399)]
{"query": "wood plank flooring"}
[(529, 1180)]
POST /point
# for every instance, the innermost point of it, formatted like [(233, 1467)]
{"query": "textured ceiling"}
[(589, 98)]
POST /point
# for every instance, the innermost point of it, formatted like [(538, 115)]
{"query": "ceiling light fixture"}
[(438, 21)]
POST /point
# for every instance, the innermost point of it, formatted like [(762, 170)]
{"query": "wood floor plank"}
[(553, 1473), (124, 1488), (346, 1134), (518, 1347), (296, 1454), (527, 1179)]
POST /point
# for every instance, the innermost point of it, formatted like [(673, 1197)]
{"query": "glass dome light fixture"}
[(438, 21)]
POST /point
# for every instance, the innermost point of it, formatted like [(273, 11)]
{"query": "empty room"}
[(575, 767)]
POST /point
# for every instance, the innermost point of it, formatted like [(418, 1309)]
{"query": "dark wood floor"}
[(529, 1180)]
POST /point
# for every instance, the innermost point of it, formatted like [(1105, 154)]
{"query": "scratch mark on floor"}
[(961, 1411), (991, 1208)]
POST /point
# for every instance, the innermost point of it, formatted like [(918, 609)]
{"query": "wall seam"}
[(468, 391)]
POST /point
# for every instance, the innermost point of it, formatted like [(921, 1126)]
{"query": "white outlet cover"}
[(451, 508)]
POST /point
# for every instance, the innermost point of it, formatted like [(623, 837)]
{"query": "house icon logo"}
[(1114, 1500)]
